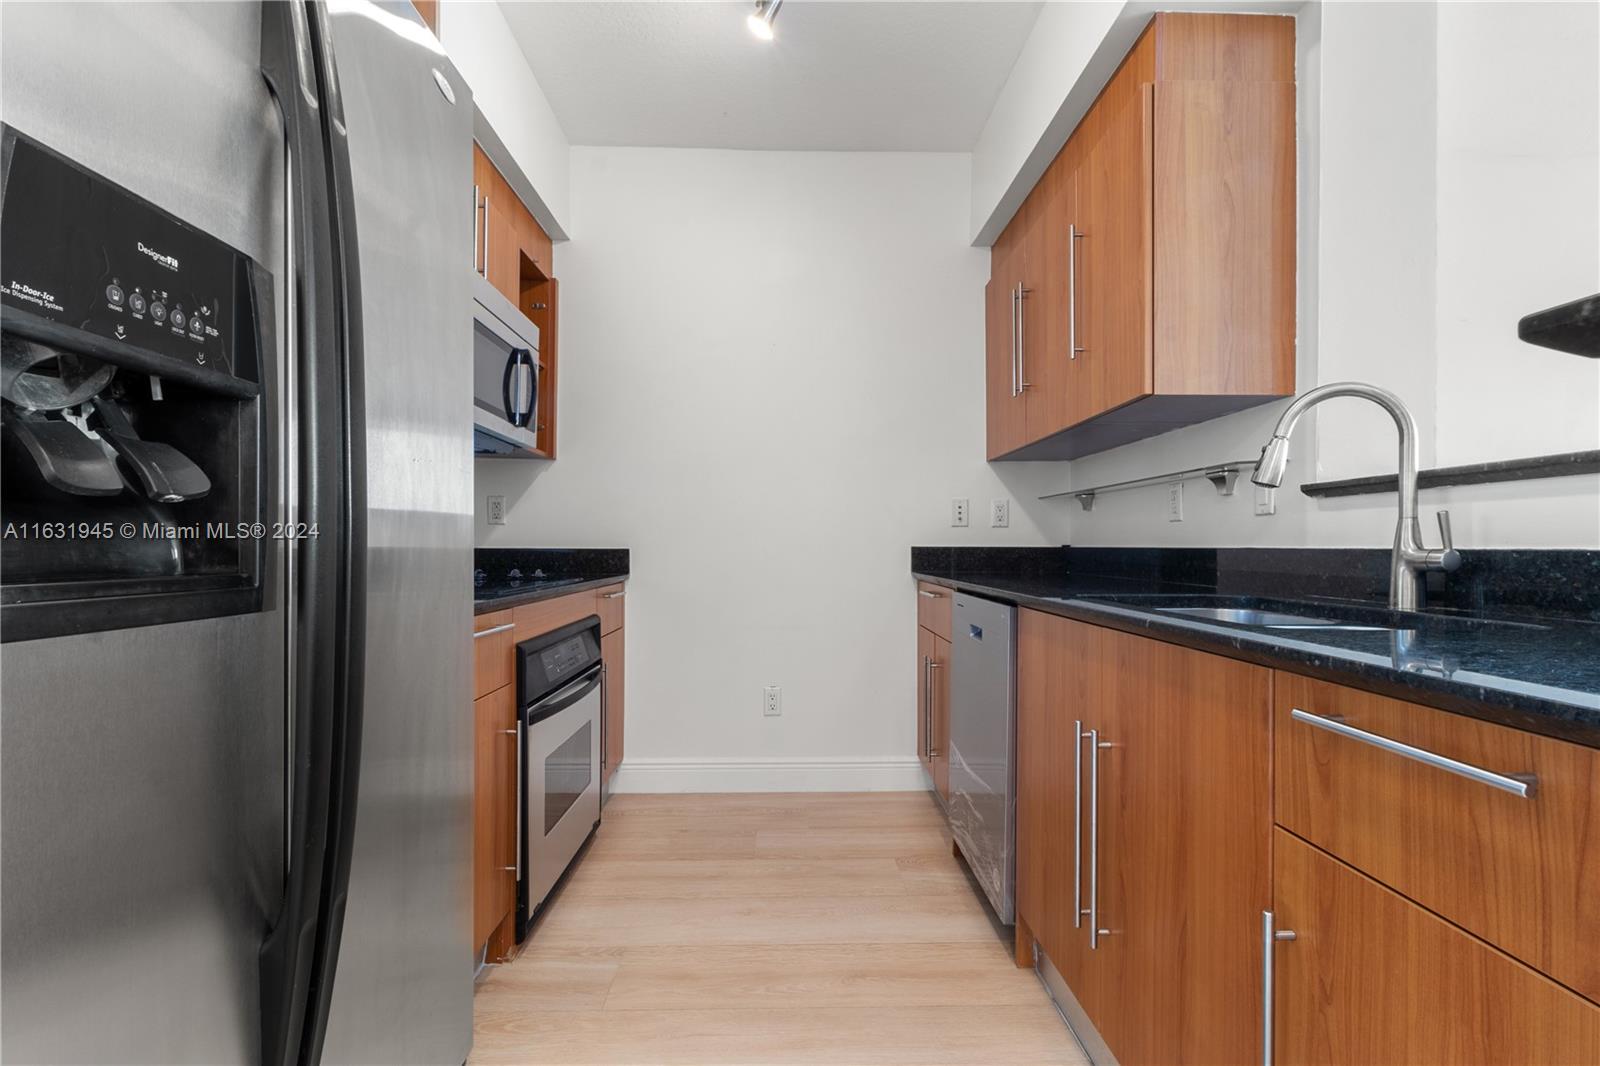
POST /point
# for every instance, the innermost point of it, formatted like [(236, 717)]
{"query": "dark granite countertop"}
[(1541, 674), (516, 576)]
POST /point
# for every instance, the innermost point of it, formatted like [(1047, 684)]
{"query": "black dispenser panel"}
[(134, 432), (90, 255)]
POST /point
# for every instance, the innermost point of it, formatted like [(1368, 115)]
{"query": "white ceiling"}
[(847, 75)]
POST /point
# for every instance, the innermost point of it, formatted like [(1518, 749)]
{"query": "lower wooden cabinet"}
[(494, 839), (611, 651), (1372, 978), (933, 708), (1149, 904)]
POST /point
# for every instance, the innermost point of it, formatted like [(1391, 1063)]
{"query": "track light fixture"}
[(760, 23)]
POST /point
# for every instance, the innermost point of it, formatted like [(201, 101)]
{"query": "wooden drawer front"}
[(1521, 872), (534, 619), (933, 608), (1372, 978), (608, 604), (492, 639)]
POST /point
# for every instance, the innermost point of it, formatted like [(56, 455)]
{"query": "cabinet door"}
[(1049, 362), (1055, 659), (1003, 317), (1372, 978), (1114, 257), (939, 677), (494, 844), (925, 653), (611, 650), (1185, 831)]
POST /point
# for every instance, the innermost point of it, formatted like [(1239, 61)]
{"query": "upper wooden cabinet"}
[(1147, 282), (512, 251)]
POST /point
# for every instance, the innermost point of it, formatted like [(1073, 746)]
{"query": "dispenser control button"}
[(195, 325), (178, 318), (158, 311), (136, 303), (114, 294)]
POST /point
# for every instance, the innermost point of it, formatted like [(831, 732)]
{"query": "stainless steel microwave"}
[(506, 374)]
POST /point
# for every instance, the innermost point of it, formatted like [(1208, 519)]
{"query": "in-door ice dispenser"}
[(983, 744)]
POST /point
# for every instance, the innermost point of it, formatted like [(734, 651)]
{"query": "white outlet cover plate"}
[(999, 514), (772, 701), (497, 510)]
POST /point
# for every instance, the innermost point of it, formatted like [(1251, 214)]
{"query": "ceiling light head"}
[(760, 23)]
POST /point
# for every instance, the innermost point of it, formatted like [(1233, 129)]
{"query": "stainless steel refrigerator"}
[(235, 748)]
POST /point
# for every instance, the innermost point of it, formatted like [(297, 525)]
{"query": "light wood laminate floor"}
[(774, 929)]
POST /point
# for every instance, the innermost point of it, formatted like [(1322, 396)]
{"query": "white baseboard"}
[(902, 774)]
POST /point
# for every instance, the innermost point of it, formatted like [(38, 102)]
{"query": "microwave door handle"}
[(530, 388), (512, 408)]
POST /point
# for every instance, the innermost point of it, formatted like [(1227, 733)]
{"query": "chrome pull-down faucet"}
[(1410, 560)]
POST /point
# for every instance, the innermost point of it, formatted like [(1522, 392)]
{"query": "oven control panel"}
[(546, 663), (91, 255)]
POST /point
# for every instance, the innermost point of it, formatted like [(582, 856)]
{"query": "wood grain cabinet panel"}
[(609, 605), (612, 651), (494, 847), (1372, 979), (934, 604), (493, 637), (1521, 872), (1172, 858), (933, 708)]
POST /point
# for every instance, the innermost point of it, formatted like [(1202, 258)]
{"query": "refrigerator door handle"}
[(346, 501), (323, 489)]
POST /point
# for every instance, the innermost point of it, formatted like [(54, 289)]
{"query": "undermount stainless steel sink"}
[(1245, 616)]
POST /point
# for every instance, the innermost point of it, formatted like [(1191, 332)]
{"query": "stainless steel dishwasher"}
[(983, 744)]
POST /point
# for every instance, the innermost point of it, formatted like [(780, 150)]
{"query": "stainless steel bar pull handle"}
[(1014, 297), (611, 595), (516, 844), (933, 664), (493, 630), (485, 270), (1073, 236), (477, 228), (1077, 826), (927, 707), (1269, 936), (930, 595), (1095, 932), (1523, 785), (1022, 337)]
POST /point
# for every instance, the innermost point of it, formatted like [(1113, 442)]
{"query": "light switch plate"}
[(1266, 500), (497, 510), (958, 511), (1175, 502)]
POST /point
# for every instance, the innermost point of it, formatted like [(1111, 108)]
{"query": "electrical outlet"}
[(999, 514), (1266, 500), (958, 511), (497, 510), (1175, 502), (772, 701)]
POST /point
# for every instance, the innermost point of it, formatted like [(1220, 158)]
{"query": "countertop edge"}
[(506, 603), (1424, 689)]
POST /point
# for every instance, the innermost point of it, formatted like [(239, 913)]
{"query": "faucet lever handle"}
[(1449, 558)]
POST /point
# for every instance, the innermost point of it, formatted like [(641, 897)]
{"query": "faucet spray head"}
[(1274, 459)]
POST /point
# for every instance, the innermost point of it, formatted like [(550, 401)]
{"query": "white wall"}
[(479, 42), (1450, 162), (771, 387)]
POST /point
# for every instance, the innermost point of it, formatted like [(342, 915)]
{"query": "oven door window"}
[(504, 377), (567, 774)]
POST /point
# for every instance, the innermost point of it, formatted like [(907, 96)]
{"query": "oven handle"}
[(563, 698)]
